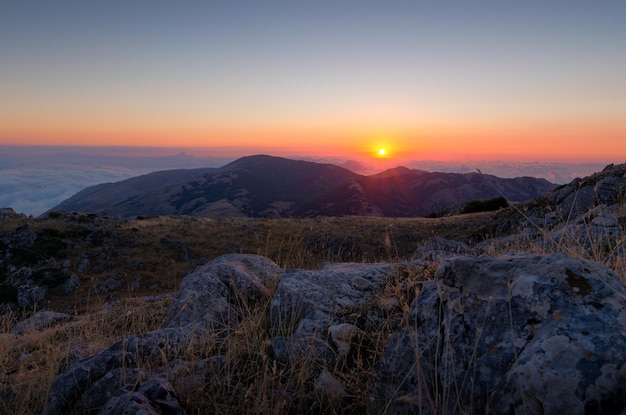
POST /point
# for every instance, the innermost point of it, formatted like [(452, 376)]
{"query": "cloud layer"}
[(35, 179)]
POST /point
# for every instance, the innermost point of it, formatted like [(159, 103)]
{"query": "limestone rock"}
[(9, 213), (22, 238), (211, 300), (581, 195), (516, 334), (153, 396), (438, 248), (106, 285), (307, 303), (79, 386), (218, 293), (41, 321), (29, 295), (343, 336), (329, 386), (597, 231), (70, 285)]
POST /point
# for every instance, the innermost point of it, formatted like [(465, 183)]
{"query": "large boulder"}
[(219, 293), (115, 366), (211, 302), (516, 334), (581, 195), (598, 232), (309, 308)]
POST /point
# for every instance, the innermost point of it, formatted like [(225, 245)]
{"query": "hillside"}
[(266, 187), (320, 315)]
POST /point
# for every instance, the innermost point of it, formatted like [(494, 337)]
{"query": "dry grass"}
[(30, 363), (162, 250), (152, 255)]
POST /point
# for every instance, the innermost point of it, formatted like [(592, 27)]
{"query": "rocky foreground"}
[(515, 334)]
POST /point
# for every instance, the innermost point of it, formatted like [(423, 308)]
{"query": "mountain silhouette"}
[(267, 186)]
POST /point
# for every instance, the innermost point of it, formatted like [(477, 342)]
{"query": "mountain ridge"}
[(267, 186)]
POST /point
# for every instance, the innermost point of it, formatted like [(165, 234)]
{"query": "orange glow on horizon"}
[(579, 140)]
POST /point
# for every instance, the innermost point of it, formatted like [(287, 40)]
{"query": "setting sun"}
[(217, 77)]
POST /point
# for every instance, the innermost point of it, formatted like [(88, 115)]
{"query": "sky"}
[(433, 80)]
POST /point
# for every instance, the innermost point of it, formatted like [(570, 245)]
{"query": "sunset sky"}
[(448, 80)]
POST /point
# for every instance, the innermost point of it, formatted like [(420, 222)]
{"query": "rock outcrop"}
[(517, 334), (10, 213), (134, 371), (581, 195), (218, 294), (514, 334), (22, 238), (585, 217), (308, 309)]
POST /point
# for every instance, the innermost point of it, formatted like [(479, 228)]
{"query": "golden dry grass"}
[(29, 363)]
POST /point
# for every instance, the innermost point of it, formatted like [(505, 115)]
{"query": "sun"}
[(381, 148)]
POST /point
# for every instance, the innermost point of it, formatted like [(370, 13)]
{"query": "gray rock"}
[(19, 276), (581, 195), (113, 384), (344, 335), (577, 201), (22, 238), (438, 248), (83, 265), (72, 387), (9, 213), (211, 300), (153, 396), (29, 295), (597, 232), (329, 386), (307, 303), (219, 293), (516, 334), (107, 285), (129, 403), (41, 321), (70, 284)]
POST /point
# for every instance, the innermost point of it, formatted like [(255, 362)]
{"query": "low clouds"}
[(558, 173), (35, 190), (33, 180)]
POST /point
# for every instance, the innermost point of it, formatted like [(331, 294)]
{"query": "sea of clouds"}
[(35, 179)]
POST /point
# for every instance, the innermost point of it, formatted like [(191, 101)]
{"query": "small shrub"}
[(485, 205)]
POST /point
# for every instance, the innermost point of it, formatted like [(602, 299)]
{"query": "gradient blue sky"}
[(527, 80)]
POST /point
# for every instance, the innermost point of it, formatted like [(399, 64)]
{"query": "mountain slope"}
[(265, 186)]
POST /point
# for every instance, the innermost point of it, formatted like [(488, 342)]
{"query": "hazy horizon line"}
[(238, 152)]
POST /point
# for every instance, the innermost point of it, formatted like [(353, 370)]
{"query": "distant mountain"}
[(266, 186)]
